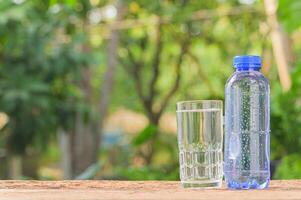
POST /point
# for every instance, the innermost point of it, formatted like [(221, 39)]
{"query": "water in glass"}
[(200, 146)]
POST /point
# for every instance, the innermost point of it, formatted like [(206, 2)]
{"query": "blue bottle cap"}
[(247, 62)]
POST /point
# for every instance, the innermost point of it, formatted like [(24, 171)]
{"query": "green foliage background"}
[(42, 56)]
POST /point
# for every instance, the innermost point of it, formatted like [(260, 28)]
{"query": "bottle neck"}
[(247, 69)]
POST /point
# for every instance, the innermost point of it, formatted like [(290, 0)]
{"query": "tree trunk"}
[(108, 81), (84, 152), (15, 167), (83, 145), (154, 119), (282, 52), (65, 146)]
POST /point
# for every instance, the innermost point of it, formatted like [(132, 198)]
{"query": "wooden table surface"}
[(88, 190)]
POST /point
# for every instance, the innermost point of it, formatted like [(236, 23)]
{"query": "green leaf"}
[(289, 14), (71, 3), (13, 13), (52, 2), (147, 133), (289, 168)]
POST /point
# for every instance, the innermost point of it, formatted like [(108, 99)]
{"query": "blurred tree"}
[(40, 72), (149, 97), (169, 50), (112, 62), (170, 37), (280, 42), (285, 120)]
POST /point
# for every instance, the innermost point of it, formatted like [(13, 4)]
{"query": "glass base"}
[(202, 184)]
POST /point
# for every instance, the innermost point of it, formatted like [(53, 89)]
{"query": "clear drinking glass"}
[(200, 140)]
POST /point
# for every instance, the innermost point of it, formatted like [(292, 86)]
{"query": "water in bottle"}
[(247, 126)]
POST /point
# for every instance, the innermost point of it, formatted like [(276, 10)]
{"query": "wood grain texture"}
[(142, 190)]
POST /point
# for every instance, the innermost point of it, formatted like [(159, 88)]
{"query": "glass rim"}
[(198, 105), (199, 101)]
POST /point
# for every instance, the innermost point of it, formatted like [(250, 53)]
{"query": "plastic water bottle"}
[(247, 126)]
